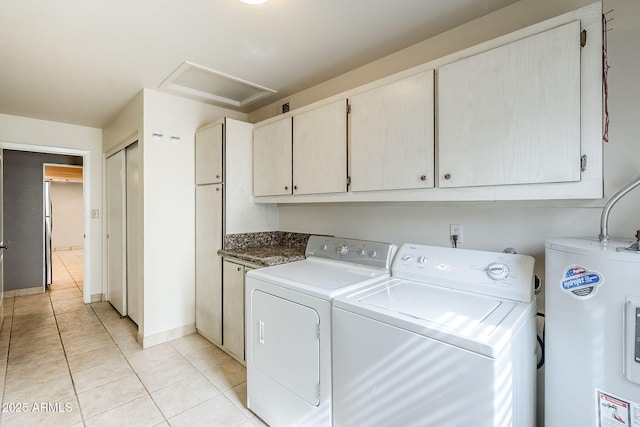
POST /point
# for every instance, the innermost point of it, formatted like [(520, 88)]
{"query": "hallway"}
[(64, 363)]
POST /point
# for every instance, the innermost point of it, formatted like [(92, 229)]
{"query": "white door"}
[(208, 263), (272, 159), (285, 344), (116, 227), (512, 115), (2, 247), (133, 193), (320, 150)]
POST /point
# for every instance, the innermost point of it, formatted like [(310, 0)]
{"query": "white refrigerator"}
[(592, 334)]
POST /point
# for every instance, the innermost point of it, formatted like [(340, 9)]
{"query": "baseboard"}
[(97, 298), (23, 292), (163, 337)]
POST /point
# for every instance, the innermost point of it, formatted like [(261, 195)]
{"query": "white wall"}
[(496, 225), (66, 201), (167, 204), (22, 133)]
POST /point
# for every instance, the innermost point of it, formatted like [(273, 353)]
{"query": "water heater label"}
[(617, 412), (580, 282)]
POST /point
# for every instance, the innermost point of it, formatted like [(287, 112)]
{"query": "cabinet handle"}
[(423, 177), (217, 176), (238, 269), (295, 187), (447, 176), (286, 187)]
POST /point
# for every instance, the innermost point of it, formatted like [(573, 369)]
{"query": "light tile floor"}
[(64, 363)]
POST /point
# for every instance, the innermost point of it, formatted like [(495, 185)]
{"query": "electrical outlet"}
[(457, 230)]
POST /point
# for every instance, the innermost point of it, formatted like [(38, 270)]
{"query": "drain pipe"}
[(604, 219)]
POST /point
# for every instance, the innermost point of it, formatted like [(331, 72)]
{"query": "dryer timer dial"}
[(498, 271)]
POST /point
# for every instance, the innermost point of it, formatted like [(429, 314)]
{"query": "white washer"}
[(288, 309), (449, 340)]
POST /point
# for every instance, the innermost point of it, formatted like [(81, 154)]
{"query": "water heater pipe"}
[(604, 219)]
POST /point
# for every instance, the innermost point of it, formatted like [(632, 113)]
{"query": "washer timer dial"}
[(498, 271), (342, 250)]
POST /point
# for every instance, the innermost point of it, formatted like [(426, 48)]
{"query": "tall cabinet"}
[(224, 205)]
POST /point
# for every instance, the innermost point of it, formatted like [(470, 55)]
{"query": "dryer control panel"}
[(361, 252), (502, 275)]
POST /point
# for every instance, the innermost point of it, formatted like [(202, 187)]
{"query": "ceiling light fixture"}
[(253, 2)]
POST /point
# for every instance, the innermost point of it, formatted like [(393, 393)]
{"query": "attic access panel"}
[(195, 81)]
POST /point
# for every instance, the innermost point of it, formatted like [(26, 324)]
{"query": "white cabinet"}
[(208, 263), (221, 208), (511, 115), (392, 135), (303, 154), (320, 150), (233, 329), (272, 157), (209, 154)]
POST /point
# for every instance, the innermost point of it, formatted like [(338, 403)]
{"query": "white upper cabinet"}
[(392, 133), (320, 150), (209, 154), (272, 157), (511, 115)]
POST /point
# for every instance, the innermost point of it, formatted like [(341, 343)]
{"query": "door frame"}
[(86, 196)]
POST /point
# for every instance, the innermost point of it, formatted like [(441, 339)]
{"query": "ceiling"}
[(81, 61)]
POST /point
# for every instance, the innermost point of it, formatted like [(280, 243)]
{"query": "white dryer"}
[(449, 340), (288, 323)]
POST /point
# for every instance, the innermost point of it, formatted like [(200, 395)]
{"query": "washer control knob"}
[(342, 250), (373, 253), (361, 252), (497, 271), (407, 258), (324, 247), (422, 259)]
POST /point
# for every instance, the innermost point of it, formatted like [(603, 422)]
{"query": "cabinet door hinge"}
[(348, 108), (583, 38), (583, 163), (348, 181)]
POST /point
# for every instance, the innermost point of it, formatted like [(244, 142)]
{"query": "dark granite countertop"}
[(265, 248)]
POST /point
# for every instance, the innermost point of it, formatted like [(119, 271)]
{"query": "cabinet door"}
[(208, 263), (272, 159), (320, 150), (512, 115), (392, 135), (233, 309), (209, 155)]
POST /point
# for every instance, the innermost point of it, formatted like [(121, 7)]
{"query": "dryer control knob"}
[(498, 271), (342, 250), (407, 258)]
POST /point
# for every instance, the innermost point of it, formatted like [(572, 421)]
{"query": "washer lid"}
[(474, 322), (435, 305)]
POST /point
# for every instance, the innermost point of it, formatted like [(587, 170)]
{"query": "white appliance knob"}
[(361, 252), (497, 271), (342, 250), (422, 259), (407, 258), (373, 253), (324, 247)]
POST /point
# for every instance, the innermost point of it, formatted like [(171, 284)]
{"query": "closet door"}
[(133, 223), (116, 232)]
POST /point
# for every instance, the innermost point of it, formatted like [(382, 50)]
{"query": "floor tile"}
[(185, 394), (110, 395), (215, 412), (75, 364), (140, 412)]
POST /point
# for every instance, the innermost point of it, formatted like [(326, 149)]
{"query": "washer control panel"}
[(502, 275), (364, 252)]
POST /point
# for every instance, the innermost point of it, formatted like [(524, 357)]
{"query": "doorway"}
[(36, 279)]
